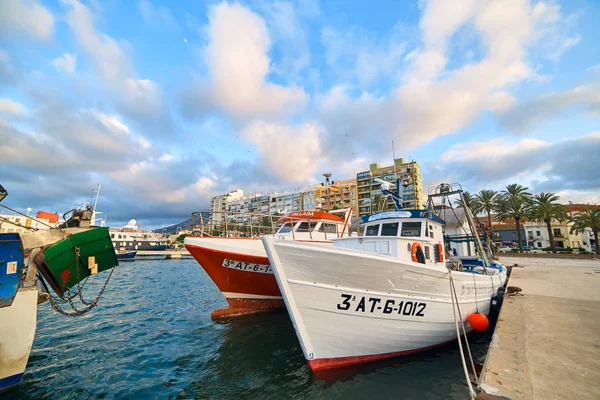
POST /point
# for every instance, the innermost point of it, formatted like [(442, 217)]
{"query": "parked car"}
[(505, 249)]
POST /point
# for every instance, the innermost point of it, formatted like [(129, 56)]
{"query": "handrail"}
[(239, 223)]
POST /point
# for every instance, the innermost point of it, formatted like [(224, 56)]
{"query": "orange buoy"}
[(478, 321)]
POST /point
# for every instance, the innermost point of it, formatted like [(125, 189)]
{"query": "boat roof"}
[(402, 214), (312, 215)]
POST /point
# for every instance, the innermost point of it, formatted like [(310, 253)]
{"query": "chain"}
[(70, 296)]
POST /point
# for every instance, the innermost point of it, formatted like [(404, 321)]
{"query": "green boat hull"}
[(61, 267)]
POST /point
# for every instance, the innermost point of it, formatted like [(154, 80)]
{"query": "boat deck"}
[(546, 342)]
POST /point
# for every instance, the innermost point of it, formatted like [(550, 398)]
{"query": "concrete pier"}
[(547, 342)]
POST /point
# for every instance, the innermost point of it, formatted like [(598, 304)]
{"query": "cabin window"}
[(372, 230), (389, 229), (427, 255), (305, 227), (328, 228), (285, 228), (411, 229)]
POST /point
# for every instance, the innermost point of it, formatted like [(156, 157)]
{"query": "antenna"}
[(93, 219), (394, 157)]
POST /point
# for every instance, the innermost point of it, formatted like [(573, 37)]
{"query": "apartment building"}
[(369, 190), (337, 195)]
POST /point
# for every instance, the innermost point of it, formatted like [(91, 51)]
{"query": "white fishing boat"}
[(380, 295)]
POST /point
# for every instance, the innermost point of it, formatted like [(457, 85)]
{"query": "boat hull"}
[(350, 307), (17, 331), (241, 270)]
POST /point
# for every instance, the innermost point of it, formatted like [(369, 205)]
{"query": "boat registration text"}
[(244, 266), (377, 305)]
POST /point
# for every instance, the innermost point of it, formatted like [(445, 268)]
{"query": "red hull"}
[(247, 292), (338, 362)]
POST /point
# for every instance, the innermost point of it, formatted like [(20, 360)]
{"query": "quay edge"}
[(545, 342)]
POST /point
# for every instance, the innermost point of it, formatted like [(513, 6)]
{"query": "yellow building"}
[(370, 198), (337, 195)]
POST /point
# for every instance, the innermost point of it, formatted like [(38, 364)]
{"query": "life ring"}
[(440, 251), (413, 251)]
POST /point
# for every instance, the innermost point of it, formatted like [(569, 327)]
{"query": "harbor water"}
[(152, 337)]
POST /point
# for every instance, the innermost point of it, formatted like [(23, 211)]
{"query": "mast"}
[(471, 222), (93, 219)]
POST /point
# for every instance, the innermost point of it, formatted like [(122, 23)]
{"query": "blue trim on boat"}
[(8, 382), (402, 214)]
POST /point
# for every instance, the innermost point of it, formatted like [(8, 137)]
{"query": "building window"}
[(539, 244), (538, 233)]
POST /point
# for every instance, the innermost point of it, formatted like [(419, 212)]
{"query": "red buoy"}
[(478, 321)]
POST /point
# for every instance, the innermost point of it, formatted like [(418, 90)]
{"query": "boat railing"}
[(242, 224)]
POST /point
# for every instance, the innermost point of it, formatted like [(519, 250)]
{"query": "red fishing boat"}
[(240, 267)]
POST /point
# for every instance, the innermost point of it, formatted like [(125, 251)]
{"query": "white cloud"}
[(238, 64), (11, 107), (290, 153), (166, 157), (140, 97), (26, 17), (545, 166), (567, 44), (110, 121), (66, 62), (528, 113), (357, 56), (432, 99), (157, 16)]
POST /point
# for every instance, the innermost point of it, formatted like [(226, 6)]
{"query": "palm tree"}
[(379, 202), (587, 219), (515, 202), (545, 208), (468, 199), (486, 201)]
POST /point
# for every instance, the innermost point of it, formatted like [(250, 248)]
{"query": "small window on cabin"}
[(389, 229), (328, 228), (372, 230), (427, 256), (305, 227), (411, 229), (285, 228)]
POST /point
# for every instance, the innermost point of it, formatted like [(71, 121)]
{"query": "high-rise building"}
[(336, 195), (370, 197)]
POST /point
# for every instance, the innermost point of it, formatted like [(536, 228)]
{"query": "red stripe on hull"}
[(237, 281), (321, 364)]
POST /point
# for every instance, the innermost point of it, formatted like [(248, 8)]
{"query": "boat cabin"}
[(409, 235), (314, 225)]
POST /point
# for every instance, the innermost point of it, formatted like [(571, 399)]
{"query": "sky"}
[(167, 104)]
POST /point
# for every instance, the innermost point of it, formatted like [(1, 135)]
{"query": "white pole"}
[(93, 220)]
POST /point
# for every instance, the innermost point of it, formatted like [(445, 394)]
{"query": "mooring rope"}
[(462, 354)]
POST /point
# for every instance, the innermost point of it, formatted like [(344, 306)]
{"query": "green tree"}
[(587, 219), (545, 208), (468, 199), (379, 202), (486, 201), (515, 202)]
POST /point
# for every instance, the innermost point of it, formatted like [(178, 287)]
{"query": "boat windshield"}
[(285, 228), (411, 229)]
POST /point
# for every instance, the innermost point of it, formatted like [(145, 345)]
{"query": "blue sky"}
[(170, 103)]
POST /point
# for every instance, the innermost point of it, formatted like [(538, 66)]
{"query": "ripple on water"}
[(151, 336)]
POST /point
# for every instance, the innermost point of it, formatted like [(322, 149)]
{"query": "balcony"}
[(558, 235)]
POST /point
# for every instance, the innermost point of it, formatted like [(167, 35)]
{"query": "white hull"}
[(350, 307), (17, 331)]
